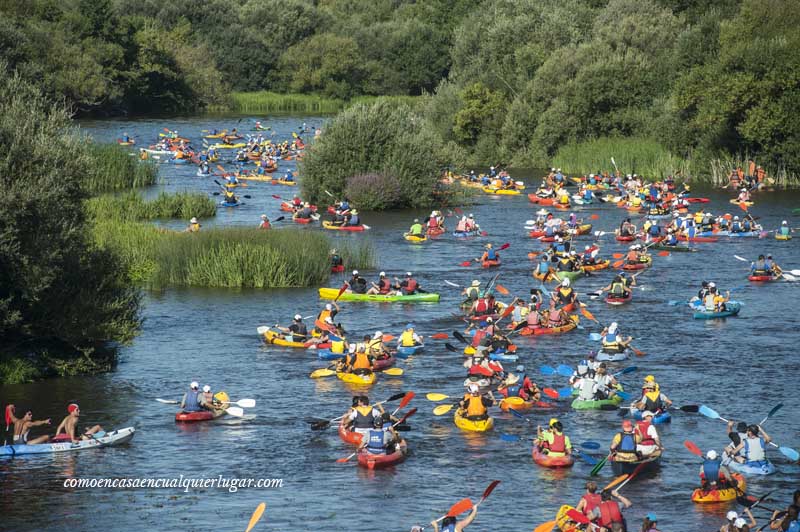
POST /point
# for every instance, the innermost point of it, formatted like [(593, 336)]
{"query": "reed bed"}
[(642, 156), (272, 102), (115, 169), (132, 206), (720, 169)]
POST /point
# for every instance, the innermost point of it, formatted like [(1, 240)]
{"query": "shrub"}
[(373, 191)]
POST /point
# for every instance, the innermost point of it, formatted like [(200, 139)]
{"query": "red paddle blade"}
[(459, 211), (484, 233), (341, 291), (664, 253), (342, 460), (464, 505), (466, 263), (276, 196), (578, 517), (504, 246), (694, 449), (618, 263), (588, 315), (486, 372), (617, 255), (440, 336), (406, 399), (508, 311), (551, 393), (743, 206), (408, 415), (488, 491), (502, 289), (595, 217)]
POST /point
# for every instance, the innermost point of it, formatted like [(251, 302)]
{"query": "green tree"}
[(325, 63)]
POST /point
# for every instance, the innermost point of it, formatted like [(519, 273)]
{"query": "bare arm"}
[(468, 520), (622, 499)]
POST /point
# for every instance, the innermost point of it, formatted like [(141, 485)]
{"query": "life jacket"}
[(754, 449), (559, 444), (407, 339), (461, 226), (609, 513), (375, 443), (654, 230), (361, 361), (513, 390), (473, 293), (337, 344), (652, 401), (264, 225), (618, 288), (632, 256), (709, 301), (475, 406), (410, 287), (610, 341), (593, 500), (565, 265), (482, 306), (320, 321), (433, 223), (565, 294), (375, 346), (364, 418), (302, 330), (711, 470), (627, 443), (533, 318), (384, 286), (543, 268), (491, 254), (192, 401), (643, 427)]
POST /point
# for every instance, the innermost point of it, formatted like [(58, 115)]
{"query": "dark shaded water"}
[(741, 366)]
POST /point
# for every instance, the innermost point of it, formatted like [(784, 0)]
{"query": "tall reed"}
[(115, 169), (132, 206), (271, 102)]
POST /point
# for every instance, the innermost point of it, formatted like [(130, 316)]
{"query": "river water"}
[(741, 366)]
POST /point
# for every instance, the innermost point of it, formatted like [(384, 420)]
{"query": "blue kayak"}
[(464, 234), (327, 354), (762, 467), (658, 419), (226, 204), (732, 308), (407, 351), (503, 356)]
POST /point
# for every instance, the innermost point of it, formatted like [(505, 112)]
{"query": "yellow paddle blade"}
[(323, 372), (616, 482), (256, 516), (545, 527), (514, 401), (442, 410), (436, 396), (393, 371)]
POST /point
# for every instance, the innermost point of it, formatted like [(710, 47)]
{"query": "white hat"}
[(298, 317), (739, 523), (613, 327), (712, 284), (591, 175), (631, 247), (433, 213), (474, 388), (647, 413), (328, 306), (711, 455), (491, 168), (735, 217), (193, 220), (378, 334), (476, 283), (731, 516), (588, 248), (559, 170), (489, 319), (263, 216), (471, 216), (541, 212), (355, 272), (329, 320), (552, 169), (572, 252), (383, 274), (784, 222), (565, 281), (194, 385), (352, 348), (416, 220), (206, 388), (408, 274)]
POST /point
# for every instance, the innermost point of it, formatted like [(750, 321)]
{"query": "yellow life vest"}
[(193, 228), (361, 362), (337, 347), (407, 338), (475, 406)]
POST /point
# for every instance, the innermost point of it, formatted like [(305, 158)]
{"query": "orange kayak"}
[(546, 460)]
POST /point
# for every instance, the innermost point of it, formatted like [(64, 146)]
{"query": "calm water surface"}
[(741, 366)]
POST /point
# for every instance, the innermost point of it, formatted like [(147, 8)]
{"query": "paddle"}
[(406, 399), (440, 336), (596, 469), (632, 475), (771, 413), (788, 452), (399, 422), (235, 411), (254, 519), (488, 491), (458, 508), (246, 403), (593, 445), (321, 424), (549, 526)]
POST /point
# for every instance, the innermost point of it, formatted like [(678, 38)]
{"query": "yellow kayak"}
[(352, 378), (415, 238), (783, 237), (229, 146), (500, 191), (473, 426), (271, 337)]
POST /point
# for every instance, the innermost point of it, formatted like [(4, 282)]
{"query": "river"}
[(741, 366)]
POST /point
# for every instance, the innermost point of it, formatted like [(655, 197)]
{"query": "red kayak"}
[(629, 238), (540, 200), (380, 461), (436, 231), (761, 278), (348, 436), (698, 200), (201, 415), (545, 460), (302, 220), (287, 207), (547, 238), (490, 264), (337, 269), (536, 233), (612, 300), (635, 266), (381, 364)]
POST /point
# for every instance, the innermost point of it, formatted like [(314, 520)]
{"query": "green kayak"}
[(578, 404), (331, 293), (676, 249), (572, 276)]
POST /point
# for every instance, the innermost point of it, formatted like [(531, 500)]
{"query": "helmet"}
[(298, 317), (194, 385), (328, 306), (565, 282), (206, 388), (711, 455), (627, 425), (383, 274), (410, 326), (476, 283), (613, 327), (649, 378), (355, 272), (553, 421), (712, 284), (732, 516)]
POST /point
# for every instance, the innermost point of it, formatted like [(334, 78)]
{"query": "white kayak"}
[(604, 356), (116, 437)]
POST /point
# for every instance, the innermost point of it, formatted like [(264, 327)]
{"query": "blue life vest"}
[(491, 255), (794, 526), (543, 267), (654, 230), (627, 443), (673, 240), (375, 442), (549, 231), (711, 470), (452, 528), (746, 225), (587, 194), (610, 338), (192, 401), (513, 390), (560, 247), (592, 181), (485, 180), (345, 206)]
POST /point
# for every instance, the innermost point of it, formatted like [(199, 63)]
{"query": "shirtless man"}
[(70, 424), (22, 427)]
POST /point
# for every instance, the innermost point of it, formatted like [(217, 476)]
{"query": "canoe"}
[(602, 265), (613, 300), (324, 353), (331, 293), (337, 269), (201, 415), (732, 308), (628, 238), (737, 202), (380, 461), (415, 238), (490, 263), (536, 331), (761, 278), (626, 468), (353, 378), (604, 356), (500, 191), (463, 423), (332, 227), (572, 276), (115, 437), (348, 436), (723, 495), (381, 364), (658, 419), (580, 404), (465, 234), (407, 351), (546, 460), (673, 249), (783, 237), (272, 337), (763, 467)]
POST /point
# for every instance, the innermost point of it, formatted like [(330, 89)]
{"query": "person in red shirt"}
[(608, 514), (590, 500)]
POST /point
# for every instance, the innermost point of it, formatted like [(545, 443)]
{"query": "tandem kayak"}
[(109, 439), (621, 300), (200, 415), (658, 419), (761, 278), (652, 463), (528, 331), (334, 227), (500, 191), (465, 234), (405, 351), (617, 356), (595, 404), (482, 425), (348, 436), (732, 308), (720, 495), (366, 379), (545, 460), (331, 293), (379, 461), (761, 467)]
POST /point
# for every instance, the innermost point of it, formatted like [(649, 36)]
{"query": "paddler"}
[(784, 230), (620, 286), (714, 475), (627, 228), (471, 226), (208, 397), (357, 362), (472, 292), (752, 446), (194, 226), (23, 425), (650, 443), (336, 259), (623, 446), (230, 197), (264, 222), (375, 346), (409, 338), (416, 229), (552, 441), (605, 384), (69, 426), (297, 331), (192, 400), (330, 311), (774, 268), (584, 370), (565, 295), (652, 399), (474, 406), (408, 286), (612, 341), (362, 416), (590, 500), (377, 439), (608, 514), (489, 255), (353, 219), (452, 524), (543, 270), (306, 213), (383, 286), (357, 284), (714, 301)]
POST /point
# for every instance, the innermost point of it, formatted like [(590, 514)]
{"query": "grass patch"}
[(132, 206), (264, 102), (633, 155), (18, 371), (115, 169)]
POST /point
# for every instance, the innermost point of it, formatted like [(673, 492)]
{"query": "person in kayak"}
[(353, 219), (409, 338), (556, 316), (620, 287), (605, 385), (69, 426), (375, 346), (623, 446), (471, 225), (306, 213), (671, 239), (543, 270), (362, 415), (408, 286), (296, 332), (489, 255), (649, 523), (652, 399), (759, 267), (192, 400), (356, 362), (474, 406), (452, 524), (565, 295), (582, 371), (208, 398), (784, 230), (590, 500), (23, 426), (608, 514), (357, 284), (552, 441), (336, 260), (330, 311), (612, 341), (774, 268), (383, 286), (416, 229), (193, 227), (471, 293), (230, 198), (650, 444), (626, 228), (714, 475), (752, 446), (714, 301), (264, 222)]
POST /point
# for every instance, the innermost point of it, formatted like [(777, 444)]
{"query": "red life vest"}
[(411, 286), (593, 500), (558, 445), (495, 366), (643, 426), (609, 513), (482, 306), (476, 340), (384, 286)]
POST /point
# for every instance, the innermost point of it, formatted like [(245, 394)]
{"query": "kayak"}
[(469, 350), (641, 265), (720, 495), (348, 436), (652, 463), (535, 198), (379, 461), (517, 403), (761, 278), (674, 249), (201, 415), (605, 356), (737, 202), (326, 354), (732, 308), (490, 263), (595, 404), (482, 425), (337, 269), (563, 522), (783, 237), (287, 207), (465, 234), (229, 146), (436, 231), (332, 227), (626, 238), (354, 378), (745, 234), (116, 437), (572, 276), (227, 204), (284, 182), (559, 205), (415, 238), (126, 143), (583, 229), (272, 337), (405, 351), (304, 221), (500, 191), (696, 238), (503, 356), (602, 265), (381, 364), (614, 300), (256, 177), (331, 293), (545, 460), (761, 467), (536, 331), (658, 419)]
